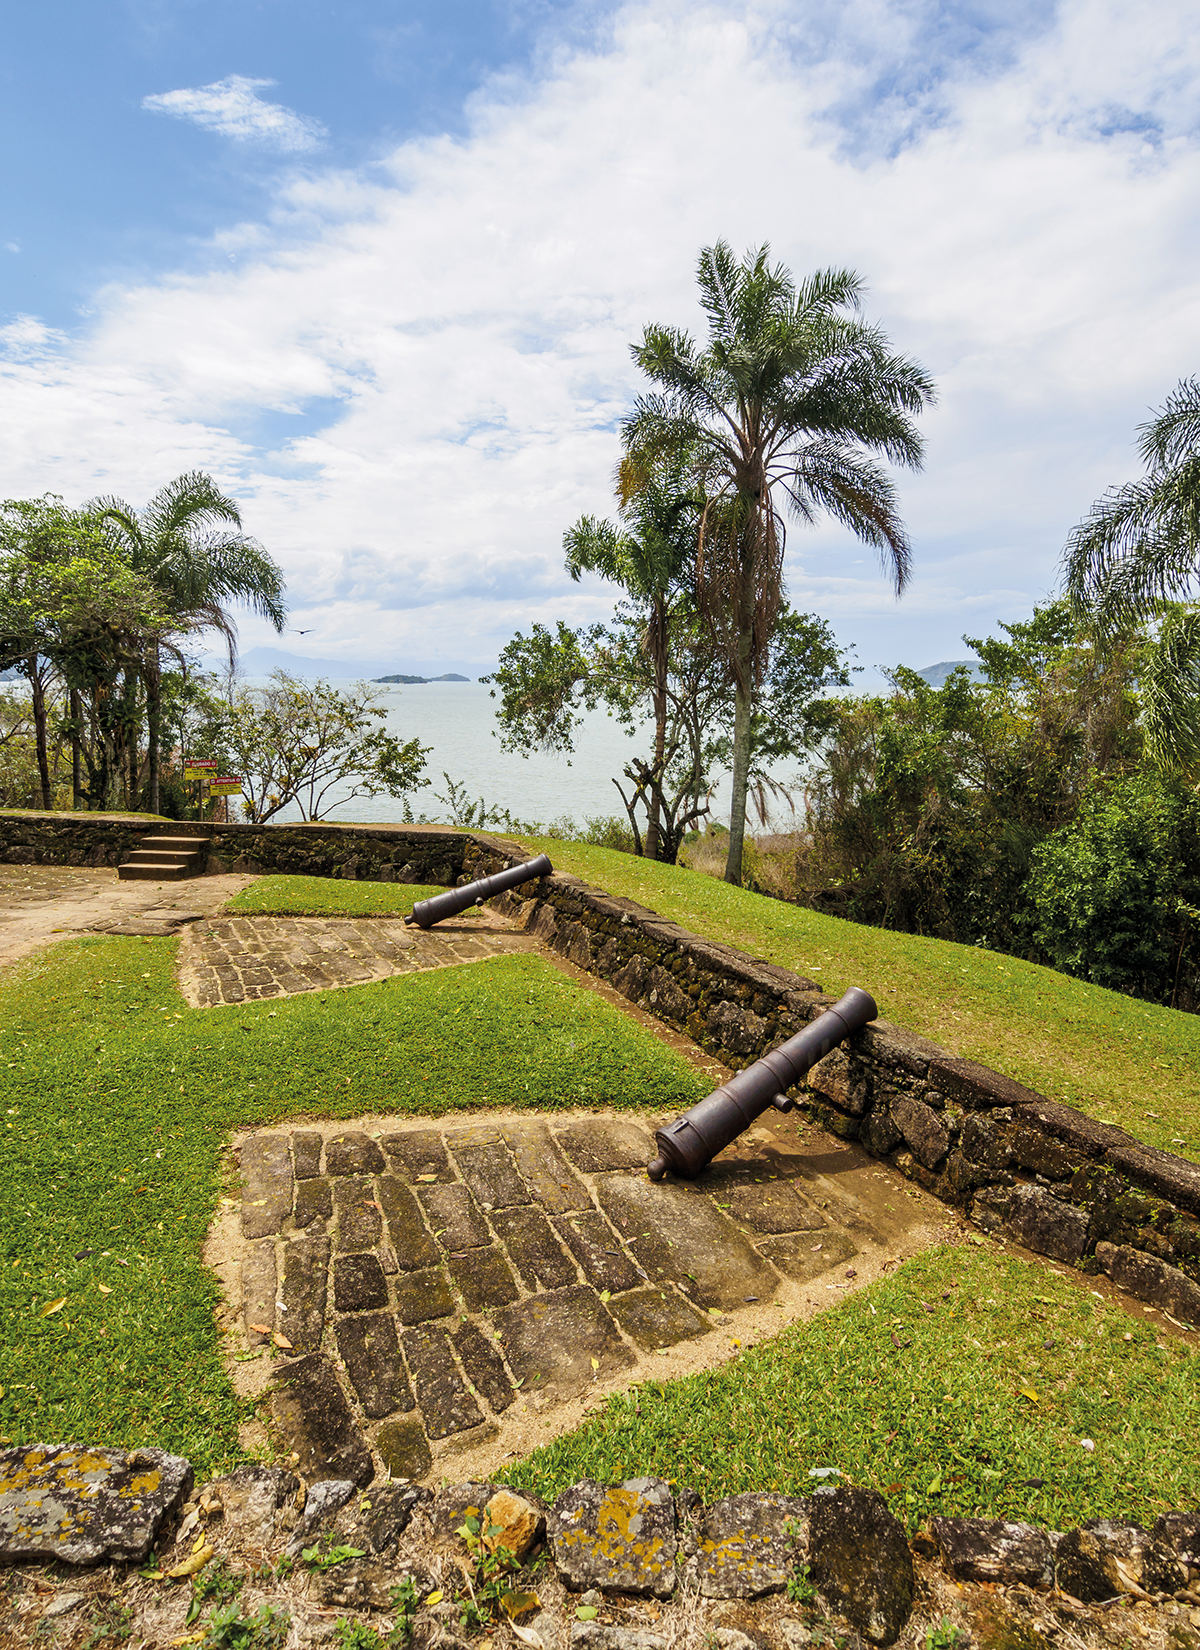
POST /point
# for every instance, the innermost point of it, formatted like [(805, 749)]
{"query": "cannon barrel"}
[(428, 911), (691, 1142)]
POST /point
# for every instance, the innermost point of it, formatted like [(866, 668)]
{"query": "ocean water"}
[(457, 720)]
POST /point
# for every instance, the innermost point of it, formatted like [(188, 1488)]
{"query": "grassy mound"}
[(1118, 1059), (279, 896)]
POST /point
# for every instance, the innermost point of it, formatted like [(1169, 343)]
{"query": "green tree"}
[(309, 744), (1135, 557), (188, 543), (784, 409)]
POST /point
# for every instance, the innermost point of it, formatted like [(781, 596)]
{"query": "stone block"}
[(1152, 1280), (359, 1284), (484, 1278), (594, 1245), (549, 1342), (656, 1317), (303, 1290), (266, 1184), (421, 1296), (442, 1394), (991, 1550), (737, 1029), (314, 1201), (258, 1290), (359, 1220), (368, 1347), (412, 1244), (675, 1235), (534, 1249), (306, 1150), (840, 1077), (921, 1127), (860, 1560), (487, 1169), (544, 1169), (516, 1521), (484, 1366), (403, 1448), (773, 1206), (619, 1539), (879, 1133), (420, 1153), (1180, 1532), (86, 1506), (456, 1221), (748, 1545), (597, 1144), (1037, 1219), (310, 1411), (1105, 1558), (804, 1255), (986, 1141)]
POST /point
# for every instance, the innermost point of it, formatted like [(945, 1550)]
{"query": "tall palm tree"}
[(1135, 559), (189, 544), (647, 556), (784, 407)]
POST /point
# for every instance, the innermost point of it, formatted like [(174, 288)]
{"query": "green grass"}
[(328, 897), (1118, 1059), (954, 1410), (115, 1101)]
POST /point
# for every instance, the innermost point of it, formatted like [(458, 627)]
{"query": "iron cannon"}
[(691, 1142), (428, 911)]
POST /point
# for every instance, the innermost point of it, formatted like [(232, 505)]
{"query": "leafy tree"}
[(784, 409), (1116, 893), (188, 543), (309, 744)]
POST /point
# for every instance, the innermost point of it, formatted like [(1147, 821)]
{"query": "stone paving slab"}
[(424, 1289), (250, 959)]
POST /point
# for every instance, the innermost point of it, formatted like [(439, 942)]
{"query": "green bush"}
[(1115, 893)]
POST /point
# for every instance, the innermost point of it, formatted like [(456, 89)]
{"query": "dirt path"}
[(42, 904)]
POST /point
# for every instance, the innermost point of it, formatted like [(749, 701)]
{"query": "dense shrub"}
[(1116, 892)]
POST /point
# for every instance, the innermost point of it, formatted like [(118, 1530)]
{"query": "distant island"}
[(450, 676)]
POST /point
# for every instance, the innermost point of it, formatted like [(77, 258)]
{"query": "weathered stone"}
[(986, 1141), (321, 1501), (420, 1154), (1151, 1280), (267, 1184), (485, 1165), (484, 1278), (921, 1127), (657, 1317), (840, 1077), (310, 1410), (358, 1283), (517, 1521), (1034, 1152), (306, 1150), (590, 1239), (737, 1029), (878, 1133), (360, 1223), (1105, 1558), (411, 1243), (748, 1545), (804, 1255), (574, 942), (859, 1559), (368, 1347), (989, 1549), (86, 1506), (1180, 1532), (457, 1223), (388, 1515), (452, 1506), (633, 980), (421, 1296), (665, 999), (314, 1201), (543, 1168), (619, 1539), (1037, 1219), (484, 1366), (258, 1291), (257, 1503), (774, 1206), (538, 1255), (676, 1235), (403, 1448), (303, 1290), (597, 1144), (550, 1340), (445, 1402), (597, 1635), (353, 1153)]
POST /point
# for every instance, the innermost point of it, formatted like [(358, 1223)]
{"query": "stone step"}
[(129, 872), (180, 844), (164, 859)]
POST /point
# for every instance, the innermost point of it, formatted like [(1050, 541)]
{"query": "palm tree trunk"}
[(741, 772), (38, 695), (76, 707), (153, 725), (658, 652)]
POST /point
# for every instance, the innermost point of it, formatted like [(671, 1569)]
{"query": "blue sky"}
[(376, 267)]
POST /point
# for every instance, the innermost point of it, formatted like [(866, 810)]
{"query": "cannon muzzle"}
[(691, 1142), (428, 911)]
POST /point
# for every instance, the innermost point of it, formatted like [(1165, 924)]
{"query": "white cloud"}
[(233, 108), (469, 305)]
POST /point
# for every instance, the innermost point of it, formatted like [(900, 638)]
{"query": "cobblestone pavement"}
[(243, 959), (427, 1290)]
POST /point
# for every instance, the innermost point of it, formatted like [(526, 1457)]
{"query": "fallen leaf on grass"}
[(104, 1289), (1028, 1392), (52, 1307), (189, 1638), (193, 1565)]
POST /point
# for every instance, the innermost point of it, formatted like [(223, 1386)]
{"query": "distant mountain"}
[(936, 675), (261, 661), (450, 676)]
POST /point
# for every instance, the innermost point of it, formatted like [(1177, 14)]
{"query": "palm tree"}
[(189, 544), (1135, 558), (660, 505), (783, 407)]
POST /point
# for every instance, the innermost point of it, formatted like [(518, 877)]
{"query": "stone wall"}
[(382, 853), (1015, 1162)]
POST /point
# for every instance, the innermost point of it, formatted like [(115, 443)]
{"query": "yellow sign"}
[(199, 768), (225, 787)]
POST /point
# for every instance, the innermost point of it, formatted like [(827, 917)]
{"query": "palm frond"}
[(1171, 696)]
